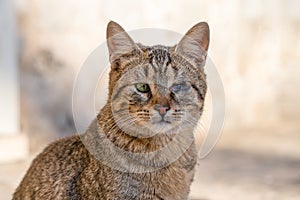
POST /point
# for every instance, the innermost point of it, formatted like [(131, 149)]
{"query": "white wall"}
[(9, 82)]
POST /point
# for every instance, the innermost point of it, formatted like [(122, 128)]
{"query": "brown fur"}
[(67, 169)]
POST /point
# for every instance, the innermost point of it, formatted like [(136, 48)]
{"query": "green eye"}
[(142, 87)]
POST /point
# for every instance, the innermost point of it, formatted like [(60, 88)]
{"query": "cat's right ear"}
[(118, 41), (194, 44)]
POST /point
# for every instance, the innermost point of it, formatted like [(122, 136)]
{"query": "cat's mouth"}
[(162, 125), (162, 121)]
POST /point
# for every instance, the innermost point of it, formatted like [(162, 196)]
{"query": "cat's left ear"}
[(118, 41), (194, 44)]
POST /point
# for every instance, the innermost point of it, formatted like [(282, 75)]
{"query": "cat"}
[(156, 97)]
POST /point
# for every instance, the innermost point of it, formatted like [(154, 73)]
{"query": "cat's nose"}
[(162, 109)]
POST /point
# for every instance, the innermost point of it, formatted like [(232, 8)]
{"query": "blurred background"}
[(255, 46)]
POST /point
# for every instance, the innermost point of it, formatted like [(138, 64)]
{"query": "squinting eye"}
[(142, 87), (178, 87)]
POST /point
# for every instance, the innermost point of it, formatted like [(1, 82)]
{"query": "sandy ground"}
[(244, 165)]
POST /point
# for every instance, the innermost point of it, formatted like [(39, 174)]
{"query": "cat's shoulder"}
[(54, 167), (68, 149), (69, 143)]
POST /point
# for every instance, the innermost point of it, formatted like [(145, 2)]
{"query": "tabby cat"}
[(141, 144)]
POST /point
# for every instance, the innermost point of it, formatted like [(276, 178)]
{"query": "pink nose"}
[(162, 109)]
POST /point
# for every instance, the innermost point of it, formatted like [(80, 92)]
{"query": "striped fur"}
[(135, 119)]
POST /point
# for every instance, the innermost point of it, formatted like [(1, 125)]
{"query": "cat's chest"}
[(168, 183), (171, 182)]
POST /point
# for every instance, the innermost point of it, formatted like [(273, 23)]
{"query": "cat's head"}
[(157, 89)]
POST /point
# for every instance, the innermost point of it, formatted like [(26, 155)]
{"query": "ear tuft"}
[(118, 41)]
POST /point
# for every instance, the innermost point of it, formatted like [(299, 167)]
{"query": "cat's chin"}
[(164, 127), (162, 123), (151, 129)]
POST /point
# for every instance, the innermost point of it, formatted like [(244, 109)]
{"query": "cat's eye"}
[(179, 87), (142, 87)]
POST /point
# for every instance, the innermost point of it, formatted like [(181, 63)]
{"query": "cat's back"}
[(57, 167)]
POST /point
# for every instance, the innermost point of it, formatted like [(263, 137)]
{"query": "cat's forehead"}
[(154, 48), (158, 64), (159, 53), (157, 68)]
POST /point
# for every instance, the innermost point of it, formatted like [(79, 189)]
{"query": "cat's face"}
[(155, 89)]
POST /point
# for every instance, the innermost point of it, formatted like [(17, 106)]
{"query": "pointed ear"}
[(195, 42), (118, 41)]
